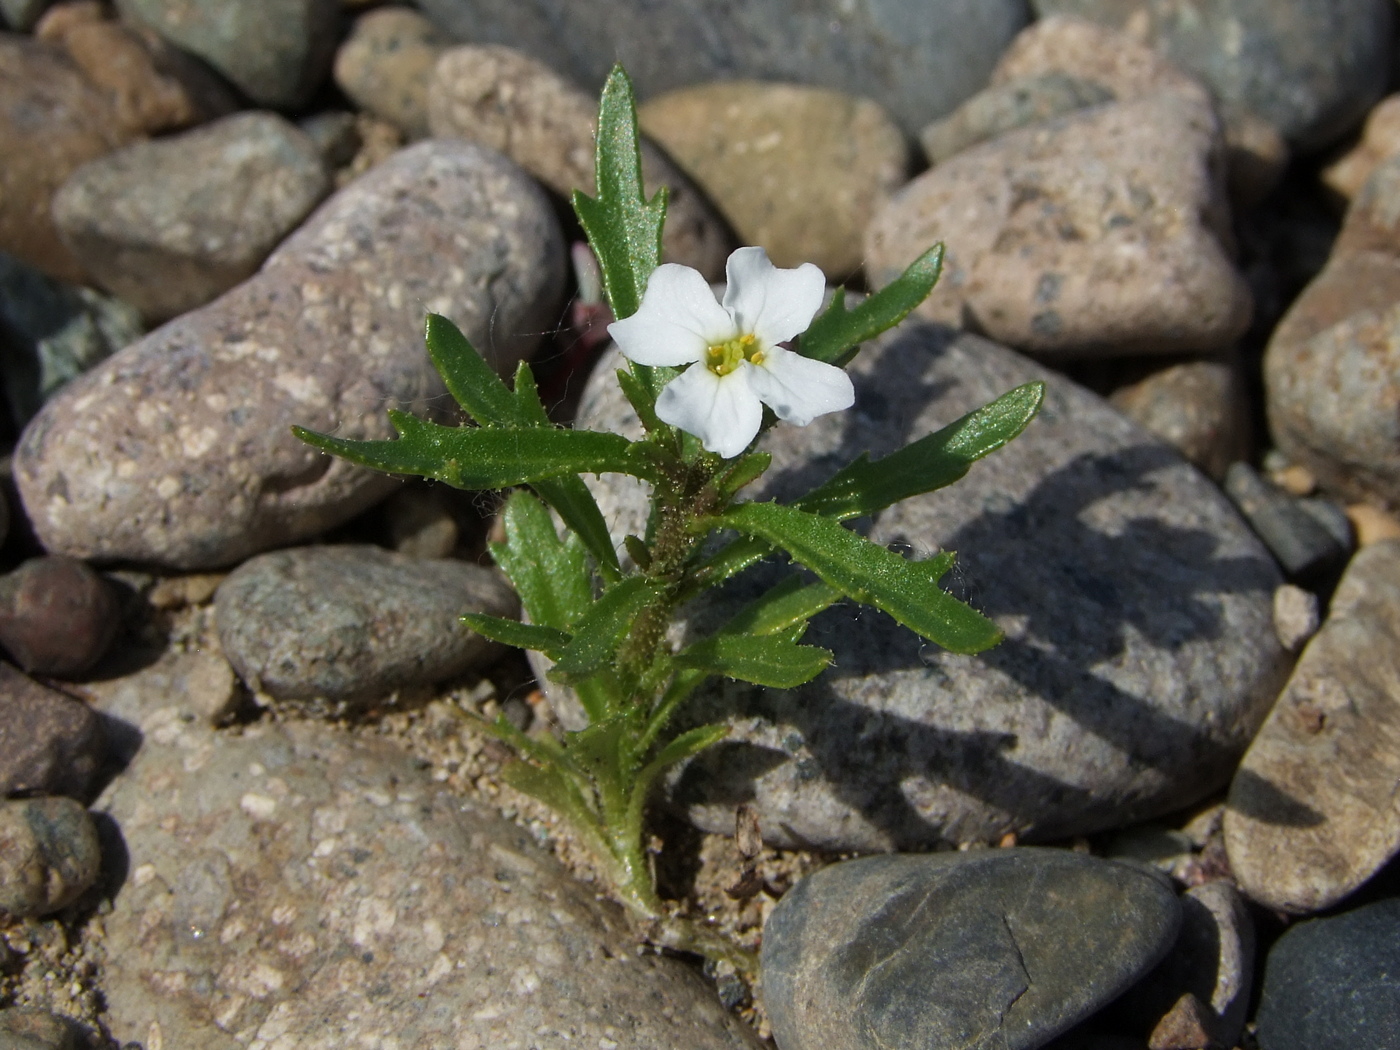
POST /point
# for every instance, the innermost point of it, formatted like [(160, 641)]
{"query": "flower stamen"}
[(723, 358)]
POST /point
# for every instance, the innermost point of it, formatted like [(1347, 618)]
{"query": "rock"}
[(1329, 984), (920, 60), (57, 616), (1296, 616), (336, 135), (50, 744), (277, 52), (180, 592), (1371, 525), (1078, 237), (1305, 547), (1140, 655), (1310, 816), (52, 120), (1380, 140), (52, 333), (1007, 106), (506, 100), (22, 14), (353, 623), (293, 885), (49, 854), (1332, 366), (28, 1029), (177, 451), (386, 65), (798, 170), (998, 948), (375, 142), (1198, 406), (421, 524), (170, 225)]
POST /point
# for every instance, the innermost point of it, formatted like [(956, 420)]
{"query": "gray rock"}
[(1310, 816), (277, 52), (353, 623), (22, 1028), (171, 224), (1007, 106), (1078, 237), (336, 135), (421, 523), (1305, 547), (1140, 653), (988, 950), (50, 744), (292, 885), (919, 59), (177, 450), (1297, 616), (22, 14), (1198, 406), (57, 616), (49, 854), (386, 65)]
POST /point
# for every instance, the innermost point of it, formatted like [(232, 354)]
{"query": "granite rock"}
[(49, 854), (386, 66), (353, 623), (1380, 140), (177, 450), (1140, 655), (1198, 406), (797, 170), (1297, 616), (171, 224), (504, 99), (292, 885), (50, 744), (57, 616), (991, 949), (1078, 237), (1311, 814)]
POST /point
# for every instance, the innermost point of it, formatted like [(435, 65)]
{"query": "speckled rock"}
[(52, 120), (1305, 547), (57, 616), (49, 854), (30, 1029), (50, 744), (353, 622), (277, 52), (1078, 237), (1140, 653), (991, 950), (386, 65), (171, 224), (1198, 406), (798, 170), (1311, 813), (177, 450), (292, 885), (1297, 616), (1380, 140), (919, 59), (507, 100)]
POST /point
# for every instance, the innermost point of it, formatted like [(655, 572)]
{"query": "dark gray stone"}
[(1330, 984), (1307, 549), (50, 744), (49, 854), (1006, 107), (57, 616), (989, 950), (350, 623), (919, 59)]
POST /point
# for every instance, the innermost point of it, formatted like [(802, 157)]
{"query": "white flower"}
[(736, 363)]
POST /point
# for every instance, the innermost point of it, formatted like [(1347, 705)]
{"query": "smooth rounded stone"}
[(1297, 616), (511, 102), (386, 65), (277, 52), (1198, 406), (49, 854), (177, 450), (1007, 106), (293, 885), (1140, 655), (52, 121), (171, 224), (1310, 814), (1380, 140), (797, 170), (919, 59), (1304, 546), (1329, 984), (353, 623), (50, 744), (57, 616), (23, 1028), (1078, 237), (987, 950)]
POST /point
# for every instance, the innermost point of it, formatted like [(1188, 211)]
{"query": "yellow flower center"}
[(723, 358)]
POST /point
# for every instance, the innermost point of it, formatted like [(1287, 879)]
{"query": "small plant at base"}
[(605, 627)]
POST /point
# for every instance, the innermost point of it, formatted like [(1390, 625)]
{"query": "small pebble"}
[(57, 616), (50, 744), (1297, 616), (1372, 525), (386, 65), (1305, 547), (1380, 140), (49, 854), (420, 522)]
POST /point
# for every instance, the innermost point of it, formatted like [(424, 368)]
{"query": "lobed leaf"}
[(550, 575), (471, 381), (836, 335), (601, 629)]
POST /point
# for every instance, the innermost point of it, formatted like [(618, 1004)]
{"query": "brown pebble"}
[(1296, 479), (50, 744), (1372, 524), (1189, 1025), (178, 592), (57, 616)]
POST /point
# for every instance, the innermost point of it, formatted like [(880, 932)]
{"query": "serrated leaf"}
[(782, 607), (550, 575), (599, 631), (776, 662), (868, 573), (835, 336), (529, 408), (930, 463), (471, 381), (577, 508), (546, 640)]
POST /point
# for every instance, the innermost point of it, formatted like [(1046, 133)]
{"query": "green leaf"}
[(577, 508), (745, 470), (929, 463), (529, 408), (550, 575), (689, 743), (600, 630), (469, 378), (559, 791), (837, 333), (641, 396), (772, 661), (908, 591), (546, 640), (782, 607)]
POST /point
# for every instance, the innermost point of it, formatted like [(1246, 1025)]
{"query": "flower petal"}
[(721, 411), (773, 304), (799, 389), (677, 320)]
